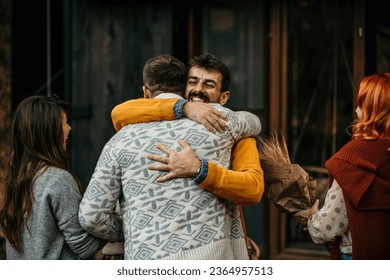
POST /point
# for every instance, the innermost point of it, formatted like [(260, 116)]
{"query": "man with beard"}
[(174, 220), (207, 82)]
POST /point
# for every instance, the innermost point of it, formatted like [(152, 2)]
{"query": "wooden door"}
[(109, 41)]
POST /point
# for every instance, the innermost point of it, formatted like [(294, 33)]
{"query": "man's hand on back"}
[(181, 164)]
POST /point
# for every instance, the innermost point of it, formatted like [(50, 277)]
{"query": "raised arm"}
[(143, 110), (246, 178), (242, 124), (158, 109)]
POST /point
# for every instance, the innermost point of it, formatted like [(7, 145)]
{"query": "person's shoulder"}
[(54, 181), (218, 106), (118, 137), (360, 144), (221, 108), (363, 149), (56, 173), (229, 111)]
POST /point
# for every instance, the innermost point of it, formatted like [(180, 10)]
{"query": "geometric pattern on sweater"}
[(162, 220)]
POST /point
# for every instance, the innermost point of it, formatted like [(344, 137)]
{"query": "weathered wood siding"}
[(5, 99), (5, 89), (109, 43)]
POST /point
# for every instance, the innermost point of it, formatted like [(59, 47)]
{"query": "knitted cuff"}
[(178, 108), (204, 168)]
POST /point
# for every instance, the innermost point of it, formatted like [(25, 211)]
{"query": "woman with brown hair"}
[(39, 216)]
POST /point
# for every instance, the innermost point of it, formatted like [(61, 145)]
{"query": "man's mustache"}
[(199, 95)]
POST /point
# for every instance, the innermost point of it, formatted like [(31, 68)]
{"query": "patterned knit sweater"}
[(172, 220), (243, 184), (362, 169)]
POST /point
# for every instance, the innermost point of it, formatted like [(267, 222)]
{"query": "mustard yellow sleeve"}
[(142, 110), (244, 184)]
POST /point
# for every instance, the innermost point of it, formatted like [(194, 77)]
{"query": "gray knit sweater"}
[(53, 230), (172, 220)]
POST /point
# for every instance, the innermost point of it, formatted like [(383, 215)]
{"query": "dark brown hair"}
[(210, 62), (164, 73), (37, 137)]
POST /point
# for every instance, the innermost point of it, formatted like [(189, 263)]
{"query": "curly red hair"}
[(374, 102)]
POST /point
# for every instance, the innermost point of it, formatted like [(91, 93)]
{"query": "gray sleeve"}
[(65, 208), (96, 213), (242, 124)]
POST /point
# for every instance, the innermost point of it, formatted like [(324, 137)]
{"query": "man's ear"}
[(146, 91), (224, 97)]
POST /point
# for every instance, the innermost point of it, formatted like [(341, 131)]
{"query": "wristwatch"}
[(199, 169)]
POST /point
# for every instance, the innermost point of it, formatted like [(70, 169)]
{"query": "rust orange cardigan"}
[(362, 169)]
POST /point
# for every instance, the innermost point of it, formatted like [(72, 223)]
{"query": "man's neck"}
[(169, 95)]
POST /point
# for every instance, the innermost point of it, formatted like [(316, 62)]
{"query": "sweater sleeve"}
[(96, 211), (331, 220), (65, 208), (244, 184), (143, 110), (242, 124)]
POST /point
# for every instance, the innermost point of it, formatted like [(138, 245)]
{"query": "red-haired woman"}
[(355, 217)]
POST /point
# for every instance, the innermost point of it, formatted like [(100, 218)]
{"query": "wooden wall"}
[(109, 43), (5, 97)]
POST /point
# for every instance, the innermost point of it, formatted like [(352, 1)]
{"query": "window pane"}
[(233, 32)]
